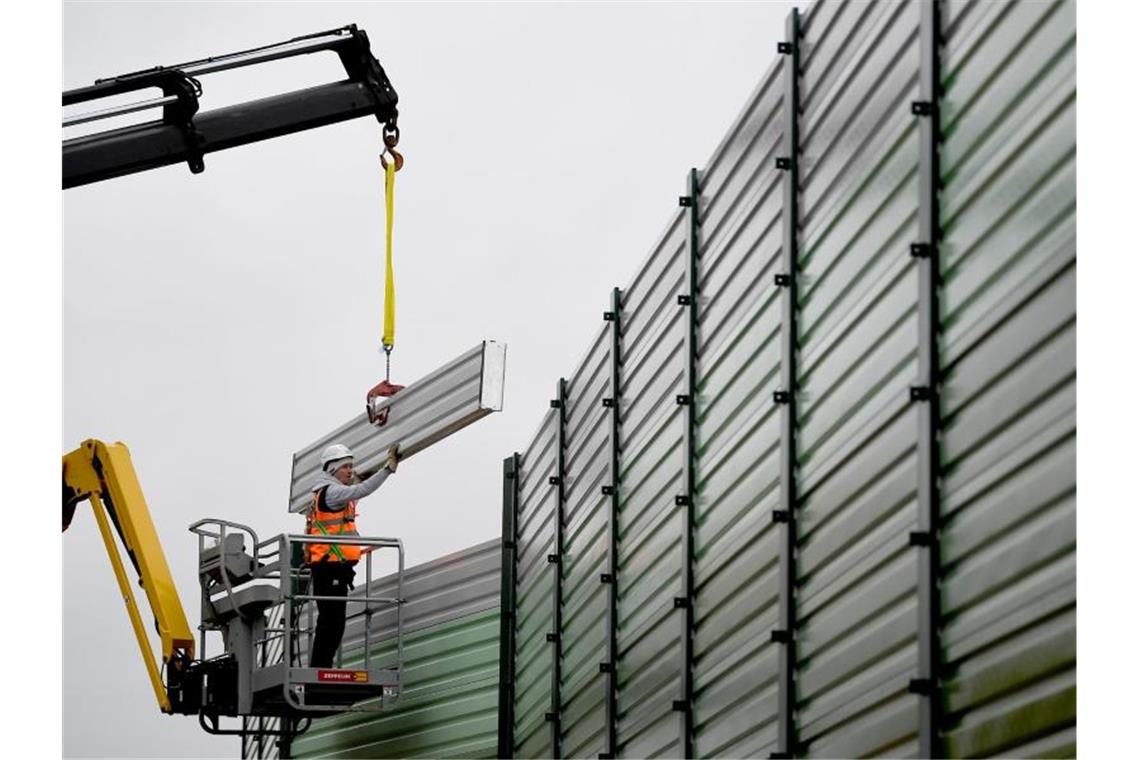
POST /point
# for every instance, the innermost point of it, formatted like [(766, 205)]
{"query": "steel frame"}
[(508, 606), (613, 490), (926, 684), (787, 280), (558, 480)]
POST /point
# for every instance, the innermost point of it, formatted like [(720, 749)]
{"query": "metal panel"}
[(584, 634), (447, 400), (991, 598), (653, 324), (448, 706), (533, 663), (1009, 403), (856, 592), (735, 546)]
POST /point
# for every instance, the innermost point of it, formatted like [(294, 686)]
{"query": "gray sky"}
[(218, 323)]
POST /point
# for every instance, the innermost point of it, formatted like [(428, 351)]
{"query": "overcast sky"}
[(218, 323)]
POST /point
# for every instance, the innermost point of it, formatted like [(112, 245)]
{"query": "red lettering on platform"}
[(343, 676)]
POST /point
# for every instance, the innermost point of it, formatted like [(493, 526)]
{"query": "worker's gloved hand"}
[(393, 458)]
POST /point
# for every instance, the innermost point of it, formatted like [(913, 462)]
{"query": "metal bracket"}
[(780, 516), (684, 300), (922, 108), (920, 538), (685, 201), (920, 393), (923, 686), (551, 717), (552, 637), (555, 480), (680, 705), (783, 163), (509, 544), (780, 636), (681, 500), (555, 403), (607, 490), (683, 400), (605, 667), (783, 280), (680, 602), (608, 316), (784, 48), (552, 559), (920, 250), (608, 403), (607, 578), (781, 397)]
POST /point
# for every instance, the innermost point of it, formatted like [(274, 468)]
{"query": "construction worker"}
[(333, 512)]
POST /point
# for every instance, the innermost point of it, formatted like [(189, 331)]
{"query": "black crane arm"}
[(184, 134)]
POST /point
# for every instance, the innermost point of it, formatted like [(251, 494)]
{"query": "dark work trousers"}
[(329, 579)]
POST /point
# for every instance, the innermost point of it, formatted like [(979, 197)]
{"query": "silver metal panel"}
[(430, 409), (587, 461), (650, 527), (454, 585), (536, 514), (857, 587), (735, 547), (1009, 405), (741, 169)]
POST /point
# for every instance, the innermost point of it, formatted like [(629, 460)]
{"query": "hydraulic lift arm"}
[(183, 134), (103, 474)]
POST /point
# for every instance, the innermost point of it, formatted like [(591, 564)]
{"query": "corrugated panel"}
[(457, 394), (649, 628), (735, 550), (1007, 311), (857, 578), (587, 460), (451, 586), (1009, 406), (535, 591), (448, 705)]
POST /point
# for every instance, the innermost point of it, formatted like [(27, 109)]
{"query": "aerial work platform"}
[(257, 595)]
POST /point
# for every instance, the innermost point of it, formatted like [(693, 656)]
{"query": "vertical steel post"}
[(925, 394), (686, 500), (507, 606), (610, 577), (789, 163), (558, 480)]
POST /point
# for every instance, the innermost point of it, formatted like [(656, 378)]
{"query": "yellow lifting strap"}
[(389, 339)]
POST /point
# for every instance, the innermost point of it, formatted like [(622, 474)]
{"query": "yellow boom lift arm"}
[(103, 474)]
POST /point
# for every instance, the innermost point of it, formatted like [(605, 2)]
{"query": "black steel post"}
[(686, 500), (507, 606), (789, 163), (610, 577), (285, 742), (925, 394), (558, 480)]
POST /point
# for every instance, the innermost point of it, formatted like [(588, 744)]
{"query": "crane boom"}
[(103, 474), (184, 134)]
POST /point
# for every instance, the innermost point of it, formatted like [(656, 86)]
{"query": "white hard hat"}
[(333, 453)]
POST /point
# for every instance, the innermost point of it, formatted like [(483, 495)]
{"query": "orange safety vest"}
[(318, 523)]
